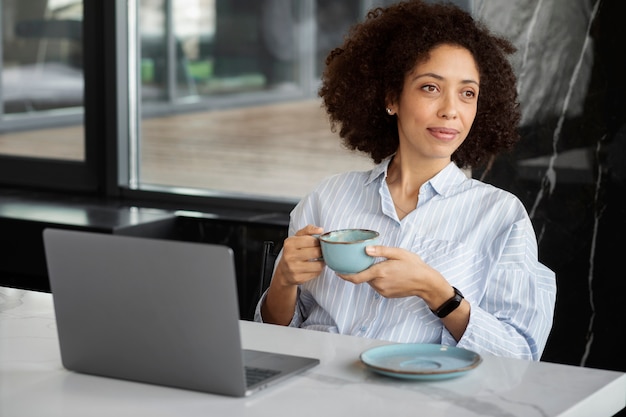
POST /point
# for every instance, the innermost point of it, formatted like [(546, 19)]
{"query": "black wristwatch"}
[(450, 305)]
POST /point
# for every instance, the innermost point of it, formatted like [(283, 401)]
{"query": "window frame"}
[(110, 167), (125, 185), (106, 170), (79, 176)]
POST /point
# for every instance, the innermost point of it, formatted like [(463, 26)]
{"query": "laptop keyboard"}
[(256, 375)]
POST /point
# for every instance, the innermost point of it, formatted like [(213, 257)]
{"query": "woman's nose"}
[(447, 109)]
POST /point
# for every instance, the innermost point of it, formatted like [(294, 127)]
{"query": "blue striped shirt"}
[(477, 236)]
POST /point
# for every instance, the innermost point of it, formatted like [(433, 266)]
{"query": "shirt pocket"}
[(461, 265)]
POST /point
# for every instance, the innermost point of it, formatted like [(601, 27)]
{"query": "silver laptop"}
[(156, 311)]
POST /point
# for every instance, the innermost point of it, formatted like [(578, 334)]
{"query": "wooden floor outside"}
[(279, 150)]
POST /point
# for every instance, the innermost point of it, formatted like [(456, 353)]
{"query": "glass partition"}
[(228, 98), (41, 70)]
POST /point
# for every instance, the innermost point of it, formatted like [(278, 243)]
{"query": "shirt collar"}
[(447, 179), (379, 170), (442, 183)]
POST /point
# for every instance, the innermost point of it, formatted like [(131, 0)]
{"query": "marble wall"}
[(569, 169)]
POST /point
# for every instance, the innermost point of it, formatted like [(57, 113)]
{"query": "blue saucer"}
[(420, 361)]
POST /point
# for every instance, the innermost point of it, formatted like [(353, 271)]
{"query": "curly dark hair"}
[(370, 67)]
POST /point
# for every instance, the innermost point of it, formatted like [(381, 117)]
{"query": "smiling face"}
[(438, 105)]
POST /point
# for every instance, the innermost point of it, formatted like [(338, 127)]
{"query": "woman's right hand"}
[(301, 258), (300, 262)]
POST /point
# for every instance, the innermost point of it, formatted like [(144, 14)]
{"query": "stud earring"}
[(389, 112)]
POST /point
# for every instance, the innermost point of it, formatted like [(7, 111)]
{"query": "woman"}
[(425, 91)]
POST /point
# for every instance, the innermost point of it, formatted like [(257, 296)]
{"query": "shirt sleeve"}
[(514, 316), (296, 320), (301, 215)]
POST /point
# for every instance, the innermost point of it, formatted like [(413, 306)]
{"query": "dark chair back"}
[(267, 265), (268, 258)]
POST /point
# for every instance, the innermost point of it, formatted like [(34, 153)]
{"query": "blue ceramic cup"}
[(344, 250)]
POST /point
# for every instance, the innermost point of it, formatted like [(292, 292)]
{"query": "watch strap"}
[(450, 305)]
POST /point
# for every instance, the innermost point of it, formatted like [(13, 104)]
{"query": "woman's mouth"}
[(443, 133)]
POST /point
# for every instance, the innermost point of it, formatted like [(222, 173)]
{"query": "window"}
[(228, 95), (42, 79), (42, 66), (205, 97), (42, 95)]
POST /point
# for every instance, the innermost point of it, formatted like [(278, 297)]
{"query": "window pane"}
[(153, 71), (42, 79), (213, 47), (278, 150), (333, 19), (251, 69)]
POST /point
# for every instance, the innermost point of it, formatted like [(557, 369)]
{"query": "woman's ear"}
[(390, 105)]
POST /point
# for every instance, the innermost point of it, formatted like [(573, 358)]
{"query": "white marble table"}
[(34, 383)]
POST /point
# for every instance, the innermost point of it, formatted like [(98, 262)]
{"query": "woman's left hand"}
[(405, 274), (402, 274)]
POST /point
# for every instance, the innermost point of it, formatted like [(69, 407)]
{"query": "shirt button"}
[(363, 329), (376, 296)]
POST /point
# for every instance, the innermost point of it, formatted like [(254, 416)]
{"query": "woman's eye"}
[(429, 88), (468, 94)]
